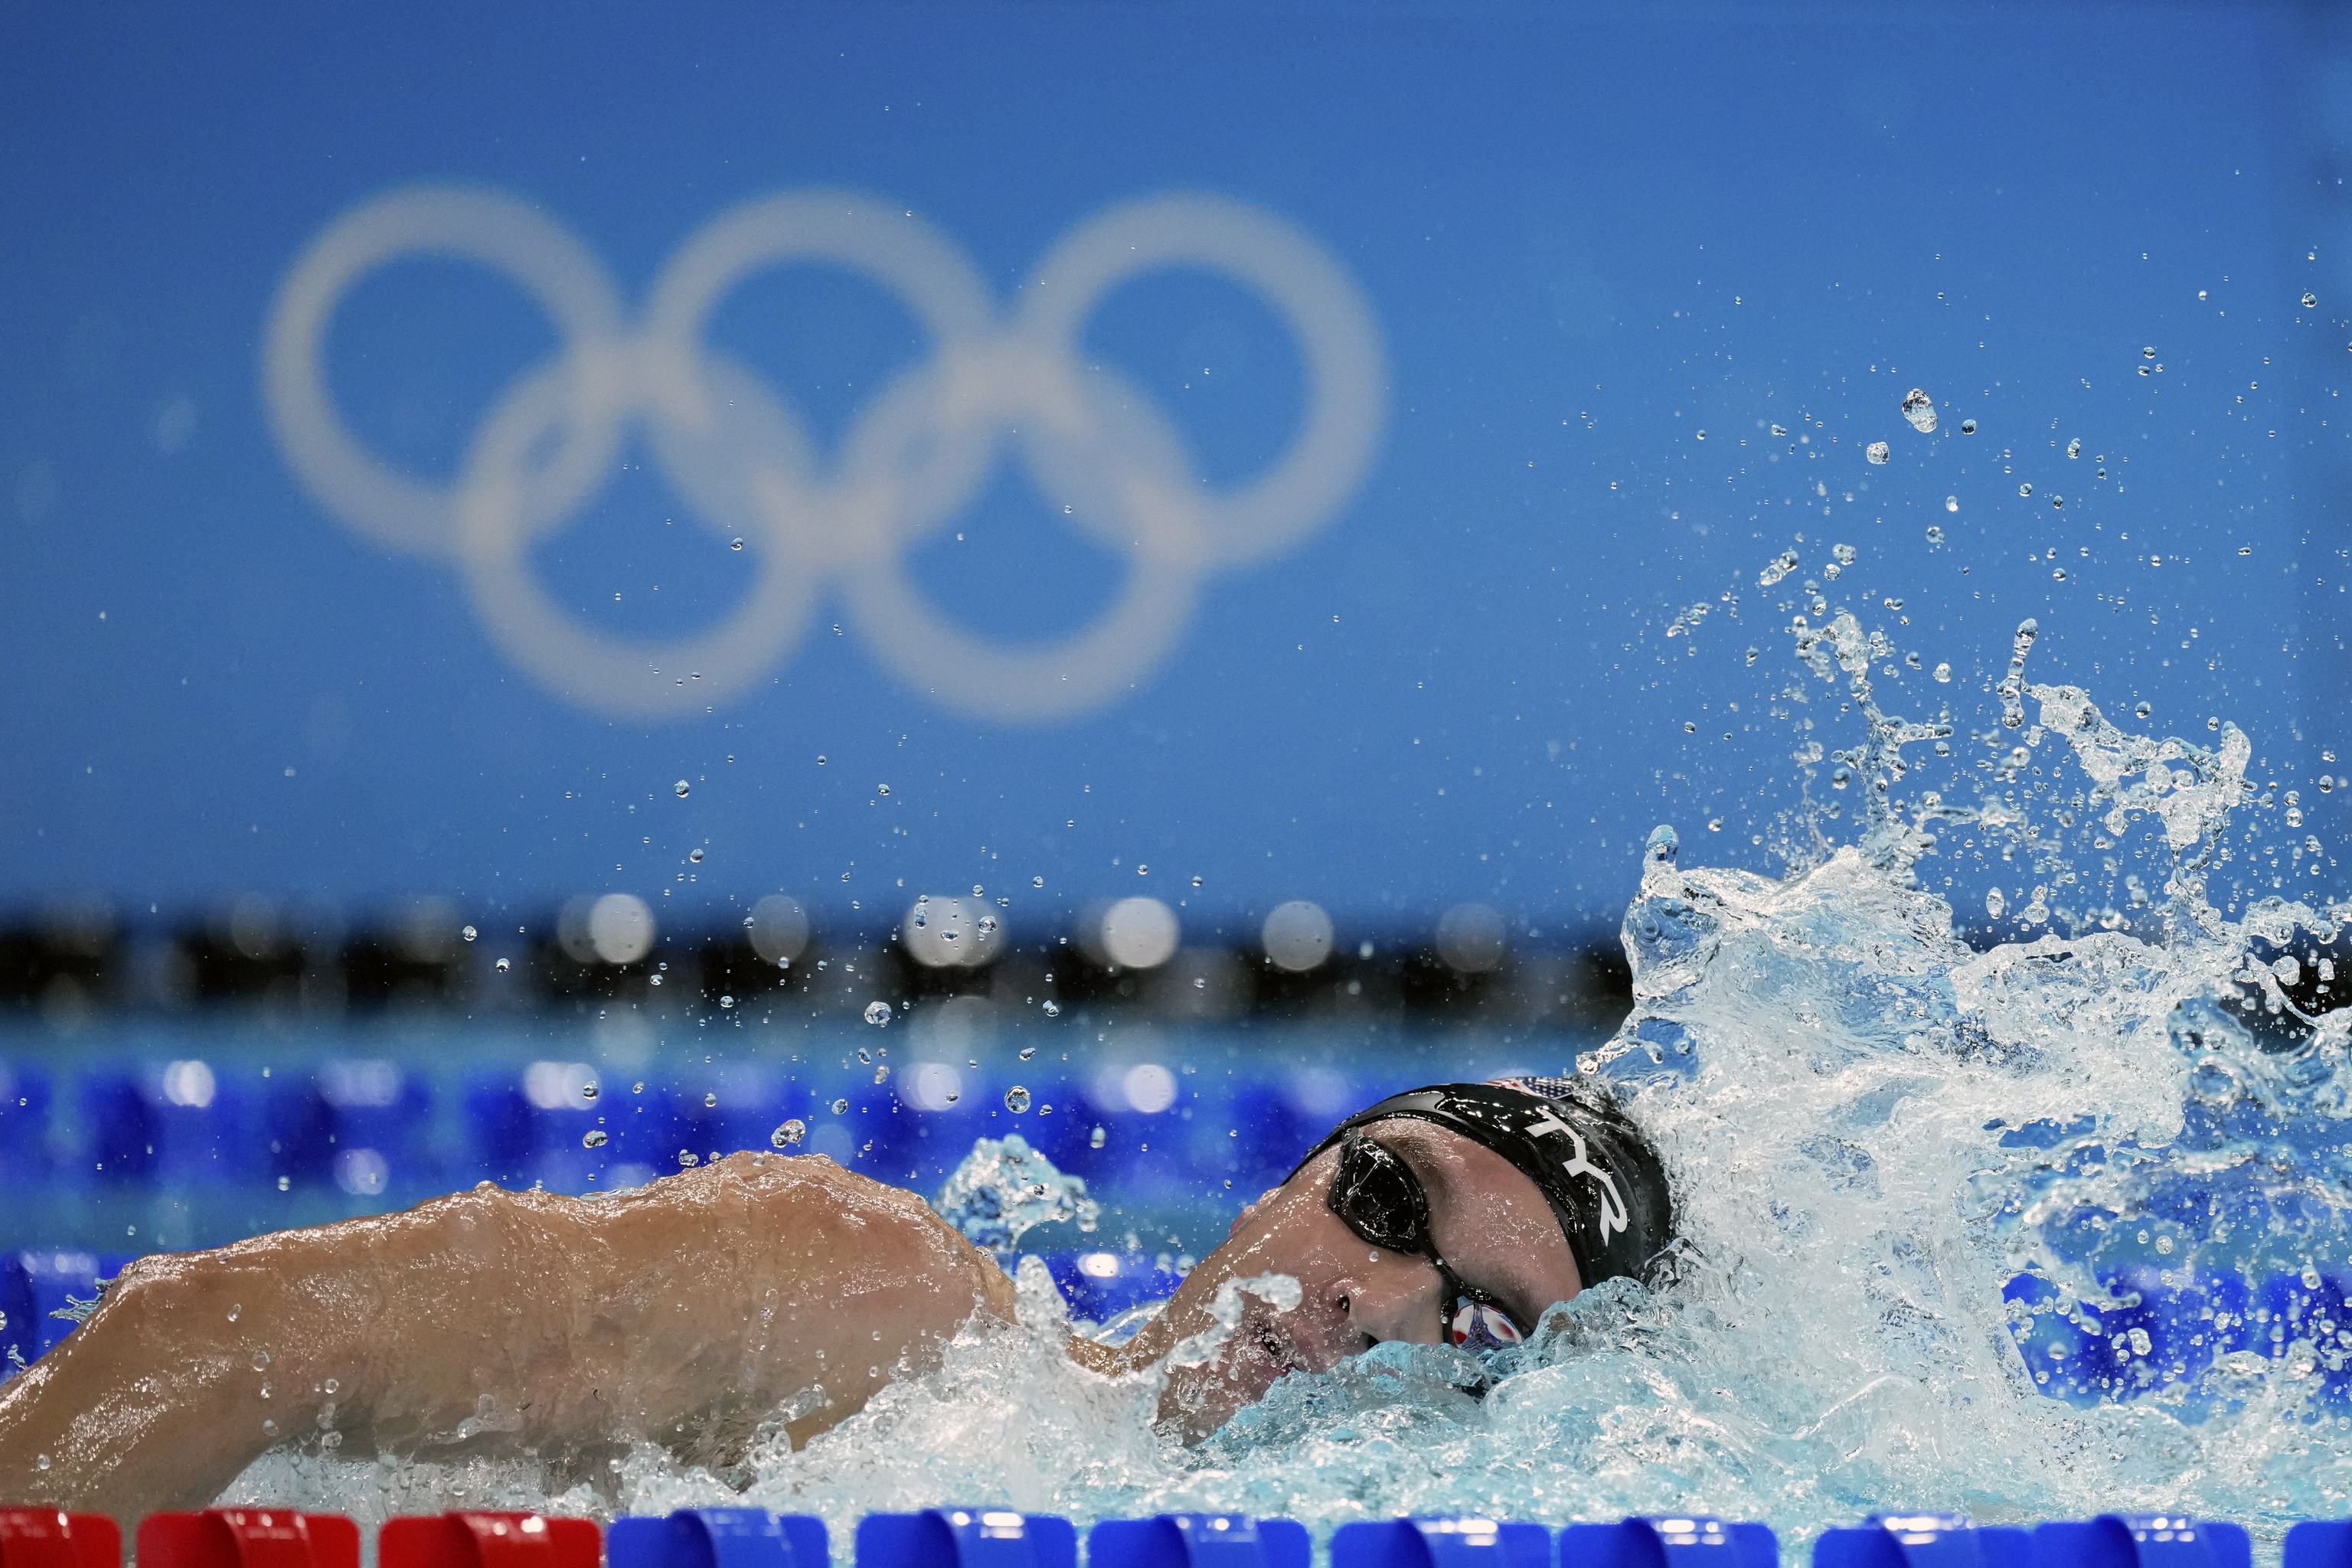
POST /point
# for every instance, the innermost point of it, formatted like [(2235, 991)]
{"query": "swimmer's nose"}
[(1397, 1302)]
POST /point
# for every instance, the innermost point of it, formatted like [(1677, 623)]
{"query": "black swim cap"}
[(1601, 1177)]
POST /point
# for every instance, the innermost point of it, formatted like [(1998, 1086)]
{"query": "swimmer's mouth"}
[(1279, 1351)]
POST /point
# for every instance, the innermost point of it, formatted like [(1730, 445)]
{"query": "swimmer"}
[(763, 1288)]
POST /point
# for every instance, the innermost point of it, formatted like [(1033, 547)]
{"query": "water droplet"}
[(1051, 1008), (2057, 501), (882, 789), (820, 761), (1036, 881), (1845, 553), (502, 966), (1944, 673), (2025, 490), (42, 1463), (594, 1138), (1968, 426), (2310, 301), (1714, 825), (2143, 709), (1920, 409), (1995, 903), (841, 1107), (2059, 574), (2327, 784), (1878, 451), (789, 1134), (877, 1013), (1935, 535), (1016, 1099), (1952, 503), (588, 1091), (1702, 436), (725, 1001), (1098, 1139), (1196, 881), (653, 979), (682, 787), (695, 855), (734, 544), (687, 1159), (1778, 431), (987, 923), (2149, 353), (470, 933), (285, 1184), (1141, 869)]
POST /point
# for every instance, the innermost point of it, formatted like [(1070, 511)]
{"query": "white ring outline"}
[(855, 523), (487, 226)]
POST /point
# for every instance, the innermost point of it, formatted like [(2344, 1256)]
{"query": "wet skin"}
[(1490, 1223), (759, 1288)]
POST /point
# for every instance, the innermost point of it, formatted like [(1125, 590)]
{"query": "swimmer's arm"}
[(493, 1320)]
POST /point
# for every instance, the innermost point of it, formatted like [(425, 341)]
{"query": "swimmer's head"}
[(1453, 1214)]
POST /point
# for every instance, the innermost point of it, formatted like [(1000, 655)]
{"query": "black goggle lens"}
[(1375, 1193)]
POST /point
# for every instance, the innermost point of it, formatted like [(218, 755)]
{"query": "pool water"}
[(2033, 1229)]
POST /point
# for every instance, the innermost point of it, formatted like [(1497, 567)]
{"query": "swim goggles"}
[(1375, 1194)]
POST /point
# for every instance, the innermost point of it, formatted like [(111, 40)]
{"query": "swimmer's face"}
[(1490, 1223)]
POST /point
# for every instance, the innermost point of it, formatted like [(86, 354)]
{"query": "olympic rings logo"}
[(746, 468)]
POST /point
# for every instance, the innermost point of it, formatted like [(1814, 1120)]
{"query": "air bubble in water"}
[(2143, 709), (2147, 352), (1968, 426), (1935, 535), (1051, 1008), (1877, 452), (1028, 1051), (2075, 448), (687, 1159), (502, 966), (841, 1107), (588, 1091), (2059, 574), (594, 1138), (789, 1134), (726, 1001), (2327, 784), (695, 855), (1952, 503), (1016, 1099), (877, 1013), (469, 932), (1036, 881), (682, 787), (1920, 409), (734, 544), (1995, 903), (710, 1100), (1196, 881), (1944, 673), (2310, 301), (2025, 490)]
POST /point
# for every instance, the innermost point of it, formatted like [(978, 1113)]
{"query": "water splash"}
[(1005, 1188), (2034, 1227)]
